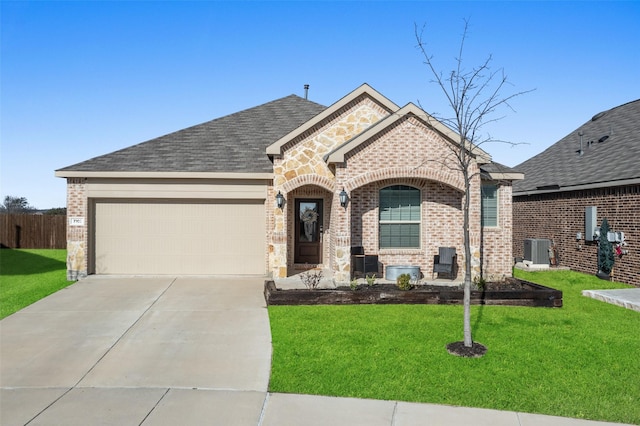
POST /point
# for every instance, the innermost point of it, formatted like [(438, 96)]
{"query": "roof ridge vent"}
[(598, 116)]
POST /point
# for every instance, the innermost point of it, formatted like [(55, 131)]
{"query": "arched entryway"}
[(308, 229)]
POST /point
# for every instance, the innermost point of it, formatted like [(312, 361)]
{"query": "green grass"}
[(581, 361), (27, 276)]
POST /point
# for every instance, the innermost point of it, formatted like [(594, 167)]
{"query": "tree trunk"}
[(468, 341)]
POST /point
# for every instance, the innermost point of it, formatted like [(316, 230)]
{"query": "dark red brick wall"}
[(560, 216)]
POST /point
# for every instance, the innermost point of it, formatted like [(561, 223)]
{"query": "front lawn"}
[(27, 276), (579, 361)]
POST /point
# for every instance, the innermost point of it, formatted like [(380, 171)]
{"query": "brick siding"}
[(496, 247), (77, 236), (416, 156), (407, 153), (560, 216), (441, 223)]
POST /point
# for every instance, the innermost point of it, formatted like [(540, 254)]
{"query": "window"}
[(399, 217), (489, 216)]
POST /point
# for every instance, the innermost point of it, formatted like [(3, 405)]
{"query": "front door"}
[(308, 246)]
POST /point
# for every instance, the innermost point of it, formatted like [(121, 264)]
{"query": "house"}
[(259, 192), (591, 174)]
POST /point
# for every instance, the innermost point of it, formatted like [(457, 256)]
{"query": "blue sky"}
[(82, 79)]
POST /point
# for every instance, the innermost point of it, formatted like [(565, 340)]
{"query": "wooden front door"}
[(308, 244)]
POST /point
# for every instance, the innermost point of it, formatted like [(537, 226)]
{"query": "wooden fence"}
[(33, 231)]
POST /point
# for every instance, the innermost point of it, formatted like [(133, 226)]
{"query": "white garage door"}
[(181, 237)]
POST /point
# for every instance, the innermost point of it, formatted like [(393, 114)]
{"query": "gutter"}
[(163, 175)]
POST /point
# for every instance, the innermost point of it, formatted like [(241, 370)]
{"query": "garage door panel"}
[(146, 237)]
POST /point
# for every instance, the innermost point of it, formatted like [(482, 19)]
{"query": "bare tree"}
[(474, 95)]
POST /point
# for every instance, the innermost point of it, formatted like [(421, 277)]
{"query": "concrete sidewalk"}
[(176, 351), (176, 406), (628, 298)]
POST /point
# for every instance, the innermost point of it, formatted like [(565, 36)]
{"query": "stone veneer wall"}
[(77, 236), (560, 216), (314, 192), (302, 165)]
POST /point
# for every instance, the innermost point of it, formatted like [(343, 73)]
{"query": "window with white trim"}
[(400, 217), (489, 214)]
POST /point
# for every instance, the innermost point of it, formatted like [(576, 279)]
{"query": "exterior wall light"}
[(280, 200), (343, 198)]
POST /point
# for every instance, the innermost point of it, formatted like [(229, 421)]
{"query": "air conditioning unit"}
[(536, 251)]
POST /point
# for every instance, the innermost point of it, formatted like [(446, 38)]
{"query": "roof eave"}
[(607, 184), (505, 176), (161, 175)]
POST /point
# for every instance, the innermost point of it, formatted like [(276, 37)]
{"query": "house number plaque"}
[(76, 221)]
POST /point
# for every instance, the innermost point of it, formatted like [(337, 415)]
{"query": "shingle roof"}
[(494, 167), (610, 152), (234, 143)]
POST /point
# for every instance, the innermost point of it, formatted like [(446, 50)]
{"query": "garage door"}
[(193, 237)]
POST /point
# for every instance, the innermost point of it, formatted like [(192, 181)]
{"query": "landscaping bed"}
[(512, 291)]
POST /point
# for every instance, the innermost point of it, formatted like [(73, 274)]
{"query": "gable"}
[(419, 118), (303, 154), (332, 115), (404, 149)]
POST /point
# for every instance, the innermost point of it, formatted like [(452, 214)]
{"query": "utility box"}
[(590, 222), (536, 251)]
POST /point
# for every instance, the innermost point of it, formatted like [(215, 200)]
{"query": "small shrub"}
[(371, 280), (404, 282), (354, 284), (311, 279), (480, 282)]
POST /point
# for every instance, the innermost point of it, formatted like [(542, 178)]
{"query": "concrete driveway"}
[(128, 350)]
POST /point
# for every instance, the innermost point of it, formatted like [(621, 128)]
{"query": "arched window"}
[(399, 217)]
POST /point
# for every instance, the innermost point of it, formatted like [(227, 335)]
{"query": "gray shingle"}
[(234, 143), (610, 152), (494, 167)]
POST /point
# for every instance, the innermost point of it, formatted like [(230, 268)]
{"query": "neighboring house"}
[(596, 165), (203, 200)]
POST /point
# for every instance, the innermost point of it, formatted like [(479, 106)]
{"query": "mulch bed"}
[(476, 350), (509, 292)]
